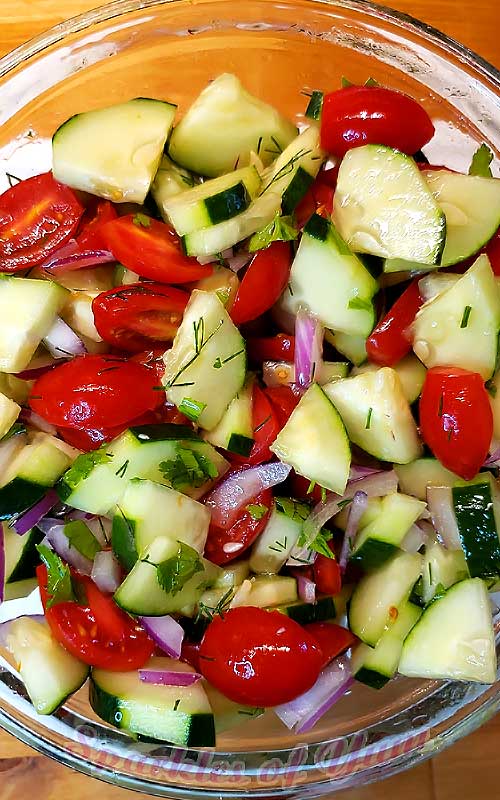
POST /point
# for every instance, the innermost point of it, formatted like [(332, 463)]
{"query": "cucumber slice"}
[(377, 415), (294, 171), (331, 281), (20, 589), (48, 671), (461, 325), (177, 714), (376, 666), (21, 555), (415, 477), (234, 432), (377, 594), (472, 208), (436, 283), (9, 412), (350, 346), (276, 542), (169, 181), (228, 715), (383, 206), (411, 373), (113, 152), (232, 575), (28, 309), (213, 201), (97, 480), (303, 613), (475, 505), (315, 105), (442, 569), (224, 126), (15, 388), (149, 510), (123, 276), (141, 593), (207, 361), (315, 443), (78, 314), (266, 591), (454, 639), (380, 539)]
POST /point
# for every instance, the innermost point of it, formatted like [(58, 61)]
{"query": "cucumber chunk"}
[(228, 715), (415, 477), (303, 613), (276, 542), (170, 180), (472, 208), (178, 714), (461, 325), (380, 539), (294, 171), (266, 591), (383, 206), (224, 126), (411, 373), (21, 555), (234, 432), (9, 412), (377, 595), (442, 569), (476, 504), (376, 415), (351, 346), (113, 152), (28, 309), (48, 671), (331, 281), (315, 443), (454, 639), (207, 361), (376, 666), (232, 575)]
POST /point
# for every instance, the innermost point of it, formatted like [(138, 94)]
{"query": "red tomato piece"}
[(95, 392), (492, 250), (299, 488), (271, 348), (332, 639), (152, 249), (190, 653), (284, 400), (90, 236), (389, 341), (260, 658), (327, 575), (358, 115), (266, 427), (456, 420), (319, 198), (37, 216), (136, 316), (243, 532), (263, 282), (98, 632)]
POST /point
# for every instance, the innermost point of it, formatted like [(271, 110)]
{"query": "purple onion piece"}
[(61, 545), (166, 632), (440, 505), (79, 260), (308, 347), (356, 510), (62, 342), (27, 520), (168, 677), (36, 421), (106, 572), (306, 589)]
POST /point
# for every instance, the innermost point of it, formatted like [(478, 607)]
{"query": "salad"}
[(249, 411)]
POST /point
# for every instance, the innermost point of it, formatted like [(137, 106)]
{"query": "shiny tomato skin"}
[(94, 392), (190, 653), (284, 400), (332, 639), (243, 531), (319, 198), (390, 340), (259, 658), (152, 249), (263, 282), (456, 420), (97, 633), (90, 236), (139, 315), (299, 488), (37, 216), (266, 427), (327, 575), (271, 348), (359, 115)]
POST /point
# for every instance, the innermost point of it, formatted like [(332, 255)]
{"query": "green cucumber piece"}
[(9, 412), (170, 180), (442, 569), (411, 373), (228, 715), (294, 171), (276, 542), (235, 432), (303, 613), (475, 504), (21, 555), (232, 575), (315, 105), (351, 346), (415, 477), (380, 539), (266, 591)]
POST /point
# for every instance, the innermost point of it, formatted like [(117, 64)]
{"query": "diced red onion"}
[(27, 520), (308, 347), (62, 342), (356, 510), (414, 539), (301, 714), (493, 459), (443, 516), (359, 471), (301, 556), (22, 607), (306, 589), (36, 421), (240, 487), (238, 261), (106, 572), (78, 260), (376, 485), (166, 632), (70, 248), (169, 677), (60, 543)]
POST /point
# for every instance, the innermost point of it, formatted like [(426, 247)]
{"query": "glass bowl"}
[(170, 49)]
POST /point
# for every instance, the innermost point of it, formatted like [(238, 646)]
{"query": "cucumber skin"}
[(241, 445), (480, 548), (25, 567), (303, 613), (201, 732), (123, 541), (371, 678), (373, 553), (295, 191), (18, 495), (227, 204)]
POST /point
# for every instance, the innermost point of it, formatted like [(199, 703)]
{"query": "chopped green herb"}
[(358, 304), (465, 317), (323, 494), (280, 546), (368, 419), (320, 544), (261, 424), (259, 145), (345, 82), (120, 473), (223, 295), (188, 469), (311, 487), (175, 572), (292, 508), (219, 362), (481, 160), (286, 169), (281, 229), (59, 586), (209, 612), (199, 343), (371, 82), (344, 503), (81, 538), (83, 466), (16, 428), (13, 179), (142, 220), (176, 704), (191, 408), (257, 510), (251, 712), (491, 388)]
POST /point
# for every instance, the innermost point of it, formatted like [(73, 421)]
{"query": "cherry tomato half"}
[(319, 198), (389, 341), (37, 216), (284, 400), (456, 420), (97, 633), (263, 282), (332, 639), (271, 348), (95, 392), (90, 236), (260, 658), (243, 531), (301, 488), (358, 115), (150, 248), (266, 427), (327, 575), (136, 316)]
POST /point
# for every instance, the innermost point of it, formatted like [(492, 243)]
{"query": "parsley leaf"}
[(174, 572), (188, 469), (481, 160), (466, 315), (292, 508), (191, 408), (81, 538), (209, 612), (320, 544), (142, 220), (83, 466), (281, 229), (59, 586), (257, 511)]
